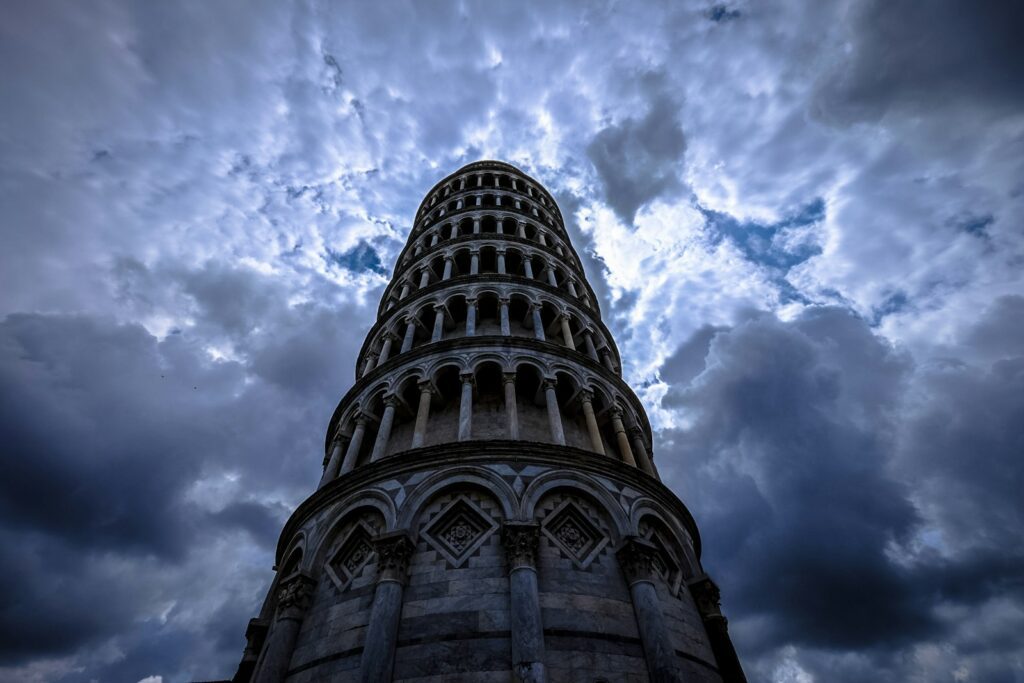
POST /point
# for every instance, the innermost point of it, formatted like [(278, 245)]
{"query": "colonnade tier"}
[(484, 176), (478, 225), (430, 396), (505, 306), (467, 264)]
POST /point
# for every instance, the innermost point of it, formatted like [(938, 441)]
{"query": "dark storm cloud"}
[(638, 159), (807, 463), (918, 55)]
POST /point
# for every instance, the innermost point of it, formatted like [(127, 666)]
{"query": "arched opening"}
[(530, 231), (489, 200), (508, 225), (466, 224), (407, 398), (444, 416), (531, 405), (488, 259), (574, 423), (489, 414), (520, 316), (487, 320), (461, 263), (514, 262), (455, 319), (488, 225)]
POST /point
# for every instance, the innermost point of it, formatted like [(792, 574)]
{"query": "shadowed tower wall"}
[(489, 508)]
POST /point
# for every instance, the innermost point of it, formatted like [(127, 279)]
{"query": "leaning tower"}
[(489, 509)]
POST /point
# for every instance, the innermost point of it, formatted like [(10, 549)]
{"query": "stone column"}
[(552, 280), (470, 317), (498, 227), (538, 323), (521, 540), (438, 323), (378, 661), (466, 407), (354, 444), (606, 358), (506, 326), (334, 463), (572, 287), (640, 451), (476, 226), (410, 334), (567, 332), (501, 261), (620, 434), (588, 339), (433, 239), (554, 415), (636, 557), (294, 595), (371, 363), (405, 290), (422, 414), (255, 636), (528, 267), (540, 237), (497, 202), (385, 349), (424, 277), (418, 250), (522, 229), (509, 380), (587, 401), (455, 226), (380, 446), (706, 596), (448, 262), (474, 262)]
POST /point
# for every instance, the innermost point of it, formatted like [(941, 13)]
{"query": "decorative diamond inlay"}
[(458, 530), (574, 533), (353, 554)]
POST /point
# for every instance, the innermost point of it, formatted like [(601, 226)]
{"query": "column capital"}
[(448, 256), (504, 300), (294, 595), (391, 400), (439, 306), (474, 251), (471, 301), (393, 552), (508, 377), (521, 540), (467, 378), (500, 251), (425, 385), (616, 411), (707, 596), (636, 557), (361, 418), (586, 395), (549, 382)]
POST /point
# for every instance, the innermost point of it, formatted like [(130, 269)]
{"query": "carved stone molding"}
[(707, 596), (393, 552), (521, 540), (294, 596), (637, 557)]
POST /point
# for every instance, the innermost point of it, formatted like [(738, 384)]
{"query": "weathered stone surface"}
[(453, 537)]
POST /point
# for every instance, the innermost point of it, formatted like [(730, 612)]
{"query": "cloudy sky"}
[(804, 221)]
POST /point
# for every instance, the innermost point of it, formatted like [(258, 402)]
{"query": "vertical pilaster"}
[(706, 596), (506, 327), (620, 436), (466, 407), (422, 414), (378, 660), (354, 445), (587, 402), (470, 317), (295, 593), (511, 412), (521, 540), (636, 558), (554, 415), (380, 446)]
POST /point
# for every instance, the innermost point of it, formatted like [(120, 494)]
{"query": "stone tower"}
[(489, 508)]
